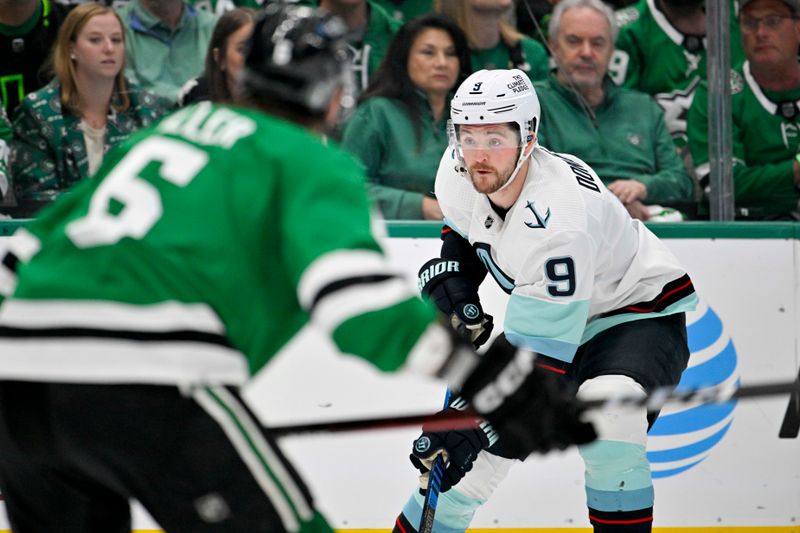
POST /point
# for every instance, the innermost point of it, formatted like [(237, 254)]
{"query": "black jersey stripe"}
[(144, 336), (345, 283), (672, 292), (10, 261)]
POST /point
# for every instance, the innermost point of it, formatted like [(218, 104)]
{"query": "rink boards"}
[(716, 468)]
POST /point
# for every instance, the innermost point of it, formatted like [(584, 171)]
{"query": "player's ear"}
[(528, 150)]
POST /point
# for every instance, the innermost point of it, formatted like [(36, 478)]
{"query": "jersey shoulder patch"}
[(626, 16)]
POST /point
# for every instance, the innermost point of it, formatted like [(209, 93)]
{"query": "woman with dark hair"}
[(63, 130), (224, 59), (399, 129)]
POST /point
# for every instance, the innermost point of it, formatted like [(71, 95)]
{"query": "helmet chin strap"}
[(522, 159)]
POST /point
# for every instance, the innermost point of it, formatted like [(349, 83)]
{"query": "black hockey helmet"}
[(298, 55)]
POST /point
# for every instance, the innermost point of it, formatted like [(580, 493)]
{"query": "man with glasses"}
[(662, 50), (765, 104)]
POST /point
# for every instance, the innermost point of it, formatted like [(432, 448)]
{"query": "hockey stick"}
[(465, 419), (790, 427), (434, 486), (431, 496)]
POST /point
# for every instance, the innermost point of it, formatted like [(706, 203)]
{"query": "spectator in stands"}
[(167, 41), (764, 105), (28, 30), (62, 131), (405, 10), (224, 59), (371, 29), (494, 42), (619, 132), (399, 129), (661, 50)]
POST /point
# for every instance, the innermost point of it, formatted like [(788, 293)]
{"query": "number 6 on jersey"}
[(141, 203)]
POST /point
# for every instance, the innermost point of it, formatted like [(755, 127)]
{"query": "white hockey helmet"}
[(496, 97)]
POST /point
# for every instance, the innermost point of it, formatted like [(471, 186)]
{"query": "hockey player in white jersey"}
[(593, 292)]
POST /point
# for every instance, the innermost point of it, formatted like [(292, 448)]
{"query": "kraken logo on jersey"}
[(541, 221)]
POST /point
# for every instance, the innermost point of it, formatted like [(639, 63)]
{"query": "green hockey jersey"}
[(765, 130), (201, 247), (653, 56)]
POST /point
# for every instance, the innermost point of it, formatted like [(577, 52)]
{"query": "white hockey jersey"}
[(572, 259)]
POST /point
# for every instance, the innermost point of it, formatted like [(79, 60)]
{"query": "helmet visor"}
[(472, 138)]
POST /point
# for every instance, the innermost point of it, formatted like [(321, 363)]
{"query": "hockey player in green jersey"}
[(137, 305)]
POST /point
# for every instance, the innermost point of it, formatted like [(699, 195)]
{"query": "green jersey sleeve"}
[(343, 279)]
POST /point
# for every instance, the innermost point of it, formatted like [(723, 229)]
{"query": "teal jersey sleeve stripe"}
[(545, 327), (563, 351), (601, 324)]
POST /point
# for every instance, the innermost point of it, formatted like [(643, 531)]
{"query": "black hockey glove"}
[(460, 448), (442, 281), (531, 410)]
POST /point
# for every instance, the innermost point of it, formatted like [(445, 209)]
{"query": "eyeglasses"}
[(771, 22)]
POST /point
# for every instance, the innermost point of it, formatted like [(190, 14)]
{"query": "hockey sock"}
[(639, 521), (402, 525)]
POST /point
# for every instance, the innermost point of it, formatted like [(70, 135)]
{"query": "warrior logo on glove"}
[(422, 444), (471, 311)]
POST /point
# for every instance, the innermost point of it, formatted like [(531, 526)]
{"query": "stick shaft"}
[(434, 484), (464, 419)]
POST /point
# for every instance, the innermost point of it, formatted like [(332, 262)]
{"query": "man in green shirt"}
[(137, 306), (619, 132), (662, 50), (765, 95), (166, 43)]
